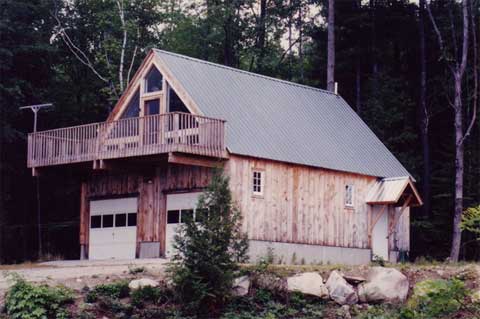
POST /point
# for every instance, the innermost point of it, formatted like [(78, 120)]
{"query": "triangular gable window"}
[(176, 104), (153, 81), (133, 107)]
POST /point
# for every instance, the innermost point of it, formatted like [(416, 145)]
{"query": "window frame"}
[(145, 91), (351, 203), (253, 185)]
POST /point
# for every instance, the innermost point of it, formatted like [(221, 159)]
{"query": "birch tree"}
[(111, 51)]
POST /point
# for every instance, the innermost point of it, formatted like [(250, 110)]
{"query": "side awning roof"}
[(395, 191)]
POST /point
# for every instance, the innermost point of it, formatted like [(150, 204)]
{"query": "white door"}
[(380, 235), (113, 228), (178, 206)]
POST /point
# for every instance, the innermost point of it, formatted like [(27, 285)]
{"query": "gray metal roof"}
[(279, 120)]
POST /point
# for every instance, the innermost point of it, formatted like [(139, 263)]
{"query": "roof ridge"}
[(245, 72)]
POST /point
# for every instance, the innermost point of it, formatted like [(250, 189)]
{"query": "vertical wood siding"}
[(300, 204)]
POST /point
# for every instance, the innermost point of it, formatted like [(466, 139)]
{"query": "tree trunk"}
[(300, 41), (228, 54), (358, 78), (358, 65), (424, 117), (459, 138), (121, 13), (374, 46), (261, 35), (459, 168), (331, 47)]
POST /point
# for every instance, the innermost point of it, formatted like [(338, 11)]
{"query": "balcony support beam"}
[(182, 159)]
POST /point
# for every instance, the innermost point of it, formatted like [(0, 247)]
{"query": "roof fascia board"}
[(415, 192), (404, 186)]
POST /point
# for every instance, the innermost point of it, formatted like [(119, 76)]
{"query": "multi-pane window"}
[(181, 216), (349, 195), (113, 220), (257, 183)]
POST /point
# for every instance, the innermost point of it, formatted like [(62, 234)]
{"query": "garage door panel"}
[(178, 205), (127, 204), (113, 231)]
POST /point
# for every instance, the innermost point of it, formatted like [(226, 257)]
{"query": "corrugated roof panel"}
[(284, 121)]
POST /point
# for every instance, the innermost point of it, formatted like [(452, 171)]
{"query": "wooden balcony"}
[(139, 136)]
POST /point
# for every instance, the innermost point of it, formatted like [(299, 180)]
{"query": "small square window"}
[(120, 220), (96, 221), (173, 217), (349, 195), (107, 221), (258, 183), (132, 219)]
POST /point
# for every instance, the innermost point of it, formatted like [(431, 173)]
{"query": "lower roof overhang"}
[(396, 191)]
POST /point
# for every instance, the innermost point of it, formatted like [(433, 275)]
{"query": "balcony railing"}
[(148, 135)]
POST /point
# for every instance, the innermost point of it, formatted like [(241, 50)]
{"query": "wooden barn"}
[(313, 182)]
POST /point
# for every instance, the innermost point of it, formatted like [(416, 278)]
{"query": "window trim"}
[(145, 81), (262, 182), (350, 204)]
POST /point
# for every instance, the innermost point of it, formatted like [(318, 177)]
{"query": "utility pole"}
[(35, 108)]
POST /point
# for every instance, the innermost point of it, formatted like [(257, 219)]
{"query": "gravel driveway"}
[(80, 273)]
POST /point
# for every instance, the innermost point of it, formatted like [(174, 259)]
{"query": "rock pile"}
[(381, 285)]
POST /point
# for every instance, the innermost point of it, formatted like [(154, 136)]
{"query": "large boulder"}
[(384, 285), (241, 286), (309, 283), (270, 282), (142, 282), (340, 290)]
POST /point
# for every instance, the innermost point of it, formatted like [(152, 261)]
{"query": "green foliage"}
[(263, 304), (471, 221), (379, 312), (28, 301), (379, 261), (114, 290), (207, 250), (146, 295), (114, 306), (436, 298)]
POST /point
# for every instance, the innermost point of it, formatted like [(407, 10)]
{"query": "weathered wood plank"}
[(301, 204)]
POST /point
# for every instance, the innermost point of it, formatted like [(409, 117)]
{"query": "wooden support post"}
[(396, 219)]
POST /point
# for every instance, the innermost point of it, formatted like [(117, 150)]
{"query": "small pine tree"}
[(208, 250)]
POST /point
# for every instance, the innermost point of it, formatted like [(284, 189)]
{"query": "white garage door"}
[(113, 228), (178, 207)]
